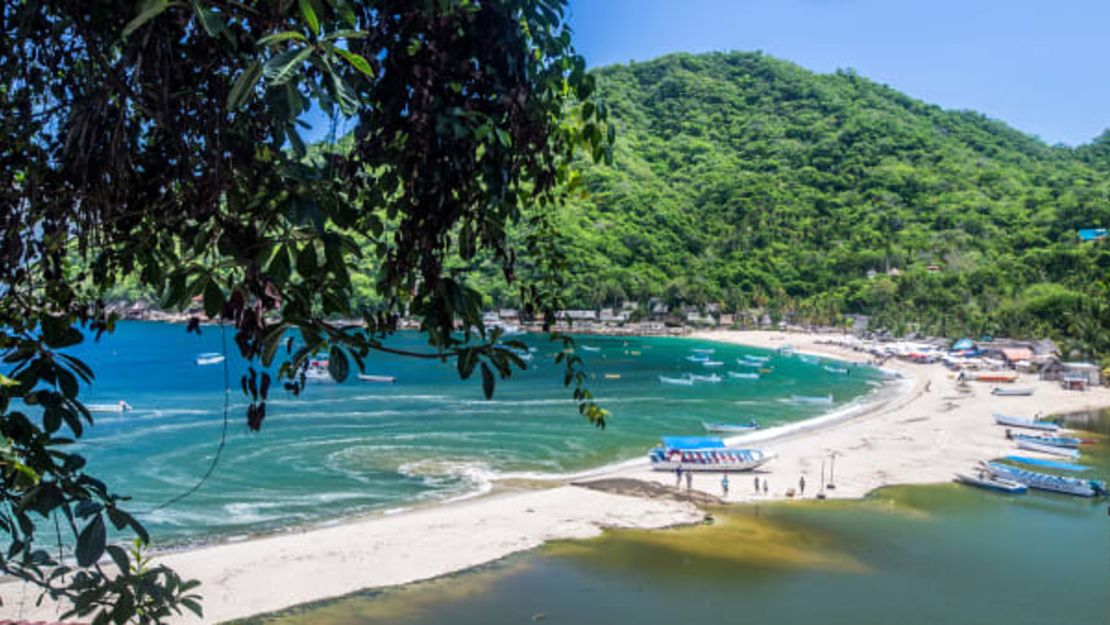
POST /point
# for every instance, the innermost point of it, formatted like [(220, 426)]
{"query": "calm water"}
[(909, 555), (357, 447)]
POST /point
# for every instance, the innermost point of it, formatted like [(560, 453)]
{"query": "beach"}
[(918, 429)]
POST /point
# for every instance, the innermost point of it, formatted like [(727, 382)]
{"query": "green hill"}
[(748, 181)]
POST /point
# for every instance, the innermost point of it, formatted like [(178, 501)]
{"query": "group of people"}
[(765, 484)]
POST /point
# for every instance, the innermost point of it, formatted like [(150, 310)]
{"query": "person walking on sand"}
[(689, 480), (802, 485), (724, 485)]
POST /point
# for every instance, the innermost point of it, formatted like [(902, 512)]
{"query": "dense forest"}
[(747, 181)]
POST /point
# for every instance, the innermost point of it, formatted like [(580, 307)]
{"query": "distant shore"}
[(920, 429)]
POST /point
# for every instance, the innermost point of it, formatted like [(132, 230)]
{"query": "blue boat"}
[(991, 482), (1069, 442), (704, 453), (1048, 464), (1044, 481)]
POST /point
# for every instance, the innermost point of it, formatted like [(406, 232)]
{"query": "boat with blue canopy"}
[(704, 453), (1021, 422), (1069, 442), (1044, 481), (1048, 464)]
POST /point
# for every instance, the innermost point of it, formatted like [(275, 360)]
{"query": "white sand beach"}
[(920, 431)]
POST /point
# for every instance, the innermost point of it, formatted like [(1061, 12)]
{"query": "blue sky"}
[(1042, 67)]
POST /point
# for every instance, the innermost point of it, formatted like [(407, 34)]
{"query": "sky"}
[(1042, 67)]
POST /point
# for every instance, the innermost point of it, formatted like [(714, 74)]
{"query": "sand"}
[(919, 430)]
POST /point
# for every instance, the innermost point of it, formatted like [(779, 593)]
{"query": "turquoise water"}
[(357, 447), (923, 555)]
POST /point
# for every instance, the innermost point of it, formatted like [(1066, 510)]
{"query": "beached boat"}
[(209, 358), (678, 381), (383, 379), (1043, 481), (996, 376), (991, 482), (704, 453), (805, 399), (743, 376), (1021, 422), (1048, 464), (1012, 392), (713, 377), (1043, 448), (837, 370), (1058, 441), (119, 407), (729, 428), (712, 363)]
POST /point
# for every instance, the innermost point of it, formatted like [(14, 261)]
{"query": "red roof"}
[(1014, 354)]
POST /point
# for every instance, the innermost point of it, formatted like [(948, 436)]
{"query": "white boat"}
[(698, 453), (1051, 450), (749, 363), (678, 381), (1068, 485), (1058, 441), (743, 376), (697, 358), (209, 358), (1012, 392), (384, 379), (759, 359), (589, 348), (118, 407), (787, 350), (317, 371), (991, 482), (703, 350), (837, 370), (713, 377), (804, 399), (712, 363), (726, 428), (1021, 422), (806, 358)]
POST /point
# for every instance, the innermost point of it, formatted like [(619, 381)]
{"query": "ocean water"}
[(912, 555), (357, 447)]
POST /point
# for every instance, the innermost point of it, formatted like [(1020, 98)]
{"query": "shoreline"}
[(901, 436)]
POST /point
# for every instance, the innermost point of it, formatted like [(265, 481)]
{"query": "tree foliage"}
[(159, 148)]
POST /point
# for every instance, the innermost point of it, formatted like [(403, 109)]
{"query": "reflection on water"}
[(908, 555)]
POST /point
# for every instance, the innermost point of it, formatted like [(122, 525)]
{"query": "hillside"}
[(748, 181)]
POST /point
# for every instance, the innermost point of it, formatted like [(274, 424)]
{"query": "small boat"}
[(810, 360), (118, 407), (1058, 441), (703, 350), (711, 363), (317, 371), (804, 399), (787, 350), (996, 376), (743, 376), (1051, 450), (730, 427), (612, 376), (1012, 392), (1048, 464), (697, 358), (589, 348), (679, 381), (756, 358), (209, 358), (384, 379), (1068, 485), (633, 352), (836, 370), (704, 453), (749, 363), (766, 370), (713, 377), (1021, 422), (991, 482)]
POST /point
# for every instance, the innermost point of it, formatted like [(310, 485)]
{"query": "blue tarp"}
[(1092, 234), (962, 344), (692, 442), (1051, 464)]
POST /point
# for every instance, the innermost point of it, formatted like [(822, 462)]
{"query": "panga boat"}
[(1058, 441), (743, 376), (589, 348), (703, 350), (754, 364), (806, 358), (1050, 464), (317, 371), (1068, 485), (731, 427), (679, 381), (1021, 422), (384, 379), (1012, 392), (120, 406), (1051, 450), (697, 358), (612, 376), (704, 453), (756, 358), (996, 376), (209, 358), (838, 370), (711, 363), (787, 350), (991, 482), (804, 399), (713, 377)]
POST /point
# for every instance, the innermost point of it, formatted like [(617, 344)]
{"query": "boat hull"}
[(1029, 424), (1051, 450), (1001, 485)]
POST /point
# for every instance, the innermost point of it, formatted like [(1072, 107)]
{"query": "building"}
[(1087, 372)]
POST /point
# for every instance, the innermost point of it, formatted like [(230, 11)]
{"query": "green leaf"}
[(91, 542), (214, 299), (306, 260), (151, 9), (487, 381), (309, 16), (356, 61), (243, 89), (345, 96), (279, 37), (210, 20), (338, 366), (119, 556), (283, 66)]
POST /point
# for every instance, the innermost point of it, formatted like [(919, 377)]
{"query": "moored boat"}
[(837, 370), (804, 399), (712, 363), (120, 406), (743, 376), (697, 358), (1057, 441), (730, 427), (713, 377), (317, 371), (756, 358), (1044, 448), (1022, 422), (384, 379), (1049, 464), (754, 364), (209, 358), (703, 350), (589, 348), (677, 381), (1044, 481), (1012, 392), (704, 453), (991, 482)]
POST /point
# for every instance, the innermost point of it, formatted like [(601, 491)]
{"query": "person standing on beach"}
[(689, 480), (765, 488), (724, 485), (802, 485), (678, 476), (757, 484)]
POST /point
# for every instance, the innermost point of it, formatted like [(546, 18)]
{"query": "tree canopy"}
[(160, 147)]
